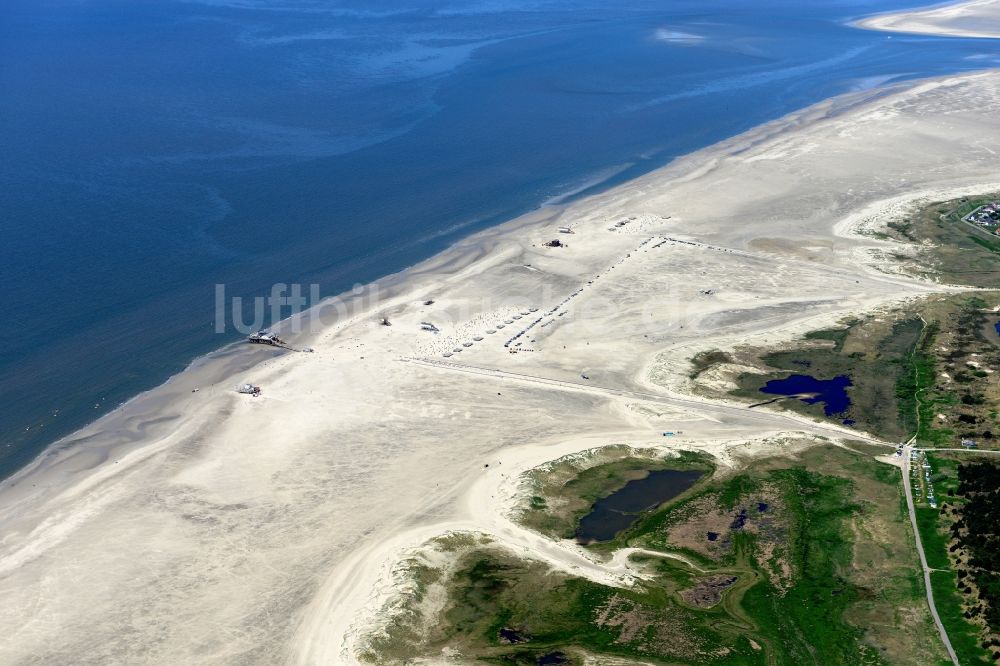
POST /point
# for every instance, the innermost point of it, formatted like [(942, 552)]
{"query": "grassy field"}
[(805, 567), (952, 603), (945, 394), (951, 250), (922, 370), (954, 396), (960, 341), (876, 353), (964, 637), (564, 491)]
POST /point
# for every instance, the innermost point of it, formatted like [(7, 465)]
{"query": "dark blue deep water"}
[(620, 509), (831, 392), (153, 148)]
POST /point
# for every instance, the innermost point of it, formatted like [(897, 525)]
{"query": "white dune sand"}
[(974, 18), (212, 527)]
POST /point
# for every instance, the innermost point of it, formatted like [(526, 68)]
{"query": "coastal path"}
[(908, 490), (761, 417)]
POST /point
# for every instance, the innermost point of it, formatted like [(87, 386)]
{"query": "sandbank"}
[(974, 18)]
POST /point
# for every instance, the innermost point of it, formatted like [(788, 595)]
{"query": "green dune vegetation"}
[(960, 542), (921, 369), (947, 248), (789, 560), (566, 489)]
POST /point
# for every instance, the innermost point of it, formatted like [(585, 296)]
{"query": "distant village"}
[(987, 216)]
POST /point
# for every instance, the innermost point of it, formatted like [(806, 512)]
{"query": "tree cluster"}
[(978, 533)]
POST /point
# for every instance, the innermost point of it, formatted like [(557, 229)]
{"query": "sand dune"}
[(212, 527)]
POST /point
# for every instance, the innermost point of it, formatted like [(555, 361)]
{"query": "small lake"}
[(831, 392), (620, 509)]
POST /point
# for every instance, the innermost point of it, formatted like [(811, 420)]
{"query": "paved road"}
[(987, 451), (923, 558)]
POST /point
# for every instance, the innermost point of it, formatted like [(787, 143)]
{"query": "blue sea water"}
[(152, 149)]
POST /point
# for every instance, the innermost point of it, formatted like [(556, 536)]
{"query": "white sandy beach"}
[(974, 18), (212, 527)]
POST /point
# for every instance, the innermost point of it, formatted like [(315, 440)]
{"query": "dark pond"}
[(619, 510), (739, 520), (553, 658), (512, 637), (996, 327), (831, 392)]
